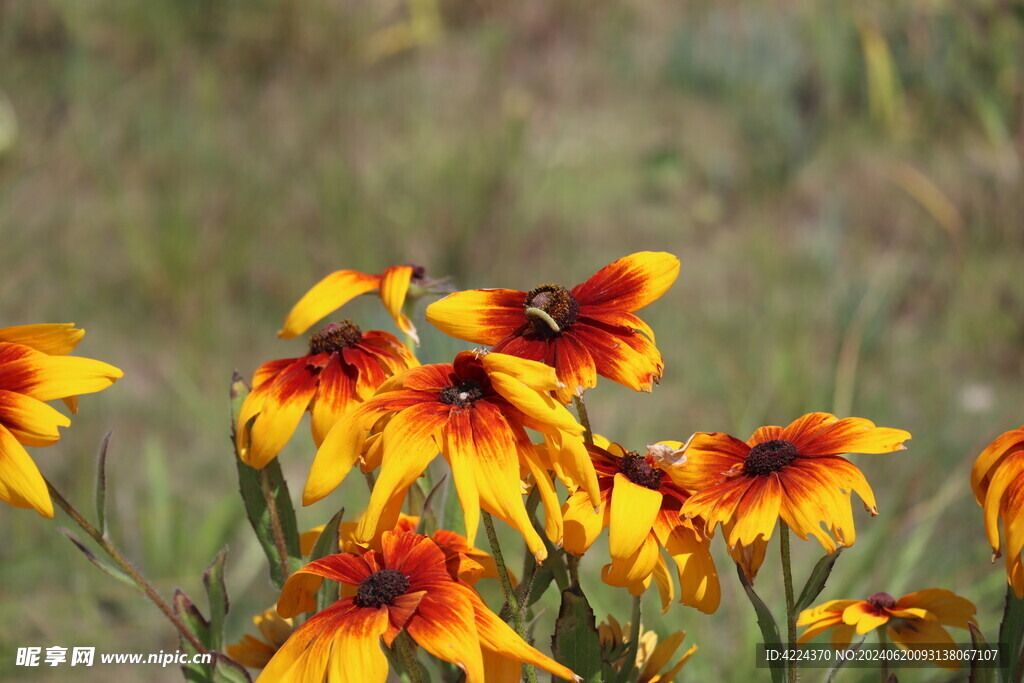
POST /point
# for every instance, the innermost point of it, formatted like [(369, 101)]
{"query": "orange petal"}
[(53, 339), (21, 484), (925, 635), (458, 447), (990, 459), (631, 282), (480, 316), (445, 626), (717, 504), (394, 285), (836, 437), (708, 457), (615, 320), (615, 359), (299, 592), (335, 395), (331, 293), (284, 403), (758, 511)]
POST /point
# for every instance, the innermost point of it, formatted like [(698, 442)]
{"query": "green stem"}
[(787, 578), (511, 604), (883, 666), (629, 663), (127, 567), (1018, 674), (404, 648), (581, 410), (275, 525)]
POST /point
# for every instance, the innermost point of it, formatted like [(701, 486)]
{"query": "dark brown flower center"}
[(418, 272), (334, 337), (882, 600), (557, 303), (381, 588), (462, 394), (770, 456), (638, 471)]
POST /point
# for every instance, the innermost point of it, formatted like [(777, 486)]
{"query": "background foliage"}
[(842, 182)]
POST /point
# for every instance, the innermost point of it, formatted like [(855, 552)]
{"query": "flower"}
[(256, 653), (640, 506), (998, 483), (794, 473), (582, 332), (29, 377), (53, 339), (915, 619), (406, 586), (341, 286), (464, 561), (473, 411), (651, 656), (344, 367)]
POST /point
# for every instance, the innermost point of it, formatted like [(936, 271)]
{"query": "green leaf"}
[(979, 672), (328, 544), (110, 571), (575, 642), (1011, 633), (217, 594), (101, 485), (193, 619), (256, 487), (226, 670), (766, 622), (815, 582)]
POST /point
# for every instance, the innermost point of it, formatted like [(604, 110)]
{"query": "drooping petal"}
[(717, 504), (330, 294), (284, 404), (32, 422), (629, 571), (21, 484), (572, 464), (581, 524), (698, 577), (633, 511), (708, 457), (618, 361), (480, 316), (663, 580), (445, 626), (53, 339), (534, 374), (458, 447), (991, 458), (546, 412), (661, 655), (574, 364), (616, 321), (925, 635), (631, 282), (394, 285), (1000, 485), (545, 486), (335, 395), (758, 511)]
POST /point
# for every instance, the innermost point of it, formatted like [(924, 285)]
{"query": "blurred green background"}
[(842, 182)]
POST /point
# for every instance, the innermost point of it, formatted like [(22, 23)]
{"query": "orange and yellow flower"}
[(911, 621), (344, 367), (406, 586), (794, 473), (651, 656), (34, 370), (255, 652), (587, 331), (341, 286), (998, 483), (640, 506), (475, 412)]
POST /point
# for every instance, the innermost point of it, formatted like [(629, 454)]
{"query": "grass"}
[(842, 186)]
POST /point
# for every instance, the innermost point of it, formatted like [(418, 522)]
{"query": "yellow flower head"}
[(795, 473), (582, 332), (474, 411), (341, 286), (257, 652), (911, 621), (651, 656), (33, 370), (640, 505), (344, 367), (998, 483)]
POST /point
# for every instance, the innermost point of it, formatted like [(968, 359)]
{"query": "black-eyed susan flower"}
[(28, 379), (344, 367), (998, 483), (640, 505), (794, 473), (475, 412), (406, 586), (651, 656), (341, 286), (582, 332), (255, 652), (911, 621)]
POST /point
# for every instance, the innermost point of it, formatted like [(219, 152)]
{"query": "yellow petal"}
[(581, 525), (533, 374), (51, 377), (537, 405), (657, 660), (394, 285), (53, 339), (480, 316), (633, 511), (21, 484), (32, 422), (636, 568), (331, 293)]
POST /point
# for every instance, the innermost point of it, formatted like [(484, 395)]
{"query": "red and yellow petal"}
[(283, 406), (698, 576), (574, 364), (445, 626), (299, 592), (330, 294), (631, 282), (709, 455), (616, 359), (864, 617), (394, 285), (21, 484), (717, 504), (823, 434), (32, 422), (534, 374), (334, 397), (26, 371), (758, 511), (633, 511), (480, 316), (458, 448), (928, 635), (53, 339), (991, 458)]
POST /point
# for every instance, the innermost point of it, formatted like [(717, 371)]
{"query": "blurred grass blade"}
[(217, 594), (227, 670), (575, 642), (428, 520), (328, 543), (100, 564), (101, 485), (1011, 634), (766, 622), (815, 582), (979, 672)]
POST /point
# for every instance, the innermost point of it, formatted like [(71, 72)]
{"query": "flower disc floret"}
[(558, 303), (381, 588), (335, 337), (770, 456)]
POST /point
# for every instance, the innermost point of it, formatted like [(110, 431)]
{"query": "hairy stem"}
[(511, 603), (404, 648), (581, 410), (275, 525), (787, 578), (126, 566), (634, 638)]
